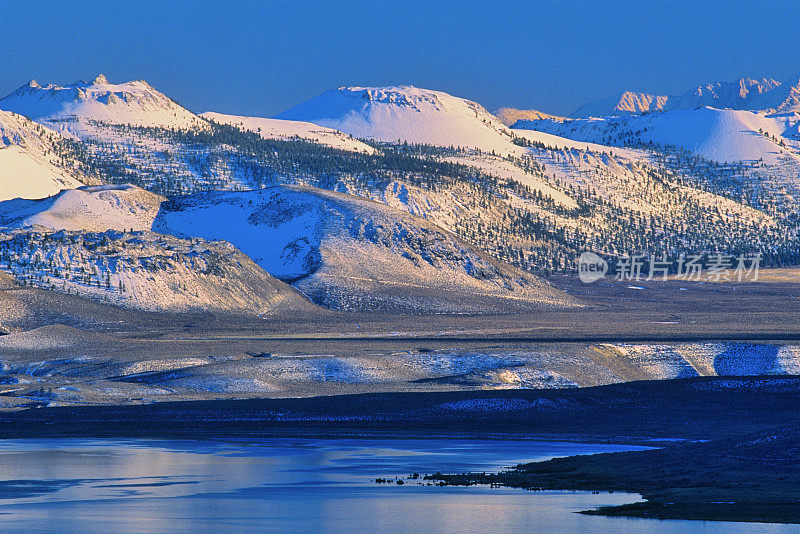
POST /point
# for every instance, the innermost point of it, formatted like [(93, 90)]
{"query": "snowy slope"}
[(285, 129), (509, 116), (143, 270), (342, 251), (24, 175), (134, 103), (26, 169), (719, 135), (280, 232), (90, 208), (405, 113), (349, 253)]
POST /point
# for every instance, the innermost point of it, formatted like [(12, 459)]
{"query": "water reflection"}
[(292, 485)]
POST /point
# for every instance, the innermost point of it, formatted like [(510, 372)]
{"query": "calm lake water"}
[(295, 485)]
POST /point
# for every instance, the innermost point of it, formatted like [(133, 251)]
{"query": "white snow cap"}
[(405, 113), (134, 102)]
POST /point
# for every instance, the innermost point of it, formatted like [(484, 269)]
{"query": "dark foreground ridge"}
[(693, 408)]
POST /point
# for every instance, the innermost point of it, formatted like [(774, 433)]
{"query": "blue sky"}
[(259, 58)]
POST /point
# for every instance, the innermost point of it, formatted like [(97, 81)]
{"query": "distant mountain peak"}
[(405, 113), (510, 116), (134, 102), (743, 93), (640, 102), (737, 94), (397, 95), (785, 98)]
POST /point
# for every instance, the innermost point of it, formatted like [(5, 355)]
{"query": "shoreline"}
[(741, 433), (751, 478)]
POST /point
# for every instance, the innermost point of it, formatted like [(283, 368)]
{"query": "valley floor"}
[(65, 351)]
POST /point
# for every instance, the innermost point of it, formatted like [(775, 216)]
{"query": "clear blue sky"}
[(259, 58)]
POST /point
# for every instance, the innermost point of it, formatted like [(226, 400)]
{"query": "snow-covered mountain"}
[(509, 116), (27, 166), (739, 94), (342, 251), (785, 98), (715, 134), (287, 130), (89, 208), (539, 199), (624, 103), (346, 252), (70, 106), (405, 114), (744, 93), (143, 270)]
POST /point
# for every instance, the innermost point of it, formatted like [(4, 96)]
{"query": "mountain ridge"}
[(134, 102), (744, 93), (406, 114), (27, 166), (342, 251), (509, 116)]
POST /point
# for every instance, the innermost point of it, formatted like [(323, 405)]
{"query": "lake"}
[(296, 485)]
